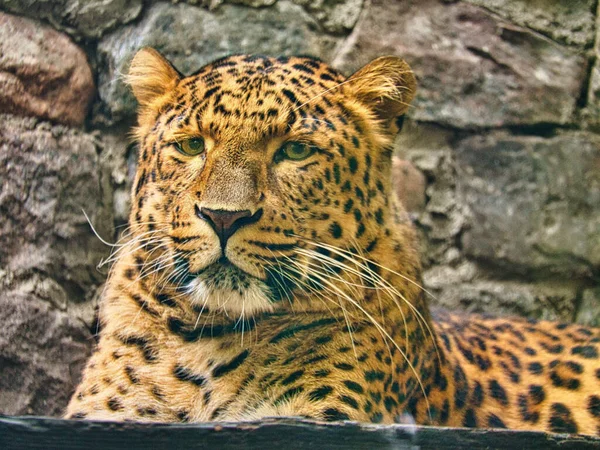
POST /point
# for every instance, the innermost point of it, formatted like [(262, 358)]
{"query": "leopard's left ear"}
[(386, 85)]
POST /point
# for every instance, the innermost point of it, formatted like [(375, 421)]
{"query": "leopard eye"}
[(191, 147), (294, 151)]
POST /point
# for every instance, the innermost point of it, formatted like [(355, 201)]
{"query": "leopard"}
[(270, 270)]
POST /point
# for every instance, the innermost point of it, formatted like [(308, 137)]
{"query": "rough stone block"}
[(48, 256), (409, 184), (592, 111), (118, 156), (570, 22), (441, 221), (336, 17), (535, 202), (89, 19), (474, 69), (42, 73), (191, 37), (50, 174), (42, 353), (536, 300), (589, 309)]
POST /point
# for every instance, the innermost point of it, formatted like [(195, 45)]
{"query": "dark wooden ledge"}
[(276, 433)]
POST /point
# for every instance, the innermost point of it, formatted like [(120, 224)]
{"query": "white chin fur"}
[(253, 300)]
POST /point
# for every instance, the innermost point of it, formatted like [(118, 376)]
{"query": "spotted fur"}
[(313, 306)]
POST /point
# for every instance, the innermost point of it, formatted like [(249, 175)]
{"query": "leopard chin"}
[(224, 287)]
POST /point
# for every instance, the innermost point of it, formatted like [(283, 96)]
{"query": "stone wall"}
[(499, 161)]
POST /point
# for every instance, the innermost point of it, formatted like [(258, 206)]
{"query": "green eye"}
[(191, 147), (295, 151)]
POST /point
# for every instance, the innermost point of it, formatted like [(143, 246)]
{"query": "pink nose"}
[(225, 222)]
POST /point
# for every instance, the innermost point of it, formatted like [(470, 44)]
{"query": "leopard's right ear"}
[(386, 85), (151, 76)]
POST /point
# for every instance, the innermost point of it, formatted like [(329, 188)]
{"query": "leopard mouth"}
[(221, 267), (279, 286), (225, 264), (224, 286), (226, 267), (224, 274)]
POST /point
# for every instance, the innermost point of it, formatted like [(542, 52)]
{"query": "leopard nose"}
[(225, 222)]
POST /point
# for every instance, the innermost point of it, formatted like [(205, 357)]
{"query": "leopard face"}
[(253, 167)]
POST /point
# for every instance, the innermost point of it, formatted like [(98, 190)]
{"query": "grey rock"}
[(570, 22), (191, 37), (535, 300), (409, 185), (89, 19), (210, 4), (214, 4), (337, 16), (468, 243), (253, 3), (589, 309), (118, 156), (48, 256), (440, 276), (535, 202), (42, 73), (42, 353), (591, 115), (430, 149), (49, 176), (474, 69)]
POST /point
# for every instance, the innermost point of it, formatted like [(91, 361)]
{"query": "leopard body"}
[(313, 305)]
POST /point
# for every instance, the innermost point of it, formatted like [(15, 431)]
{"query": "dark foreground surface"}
[(282, 433)]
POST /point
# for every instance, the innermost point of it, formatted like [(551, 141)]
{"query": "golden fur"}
[(313, 306)]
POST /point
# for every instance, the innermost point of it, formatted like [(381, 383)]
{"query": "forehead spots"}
[(259, 94)]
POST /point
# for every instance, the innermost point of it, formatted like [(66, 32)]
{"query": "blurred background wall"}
[(498, 163)]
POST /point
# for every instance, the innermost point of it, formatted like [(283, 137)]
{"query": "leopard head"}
[(258, 175)]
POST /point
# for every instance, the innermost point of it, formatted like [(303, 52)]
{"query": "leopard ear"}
[(386, 85), (151, 75)]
